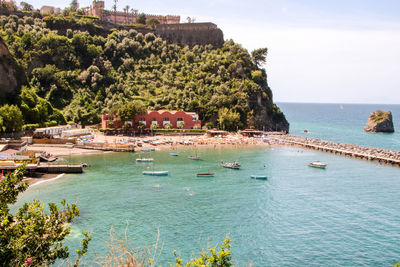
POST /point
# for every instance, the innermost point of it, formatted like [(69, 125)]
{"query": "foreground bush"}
[(32, 237)]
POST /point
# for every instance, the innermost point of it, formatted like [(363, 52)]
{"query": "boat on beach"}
[(155, 173), (259, 177), (231, 165), (144, 160), (317, 164), (205, 174)]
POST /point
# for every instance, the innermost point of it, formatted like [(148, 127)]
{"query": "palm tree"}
[(115, 11), (126, 9)]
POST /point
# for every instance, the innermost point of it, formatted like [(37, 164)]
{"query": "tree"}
[(12, 119), (130, 110), (141, 19), (26, 7), (228, 119), (259, 56), (126, 9), (30, 236), (115, 11), (74, 5), (153, 22)]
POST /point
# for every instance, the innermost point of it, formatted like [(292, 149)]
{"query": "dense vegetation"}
[(77, 75), (30, 236)]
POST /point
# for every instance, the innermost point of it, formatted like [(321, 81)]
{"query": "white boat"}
[(230, 165), (144, 160), (259, 177), (173, 154), (148, 149), (317, 164), (155, 173)]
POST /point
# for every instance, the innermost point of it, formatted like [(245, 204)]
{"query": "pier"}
[(46, 168), (391, 157)]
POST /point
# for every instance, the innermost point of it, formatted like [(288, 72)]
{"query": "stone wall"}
[(191, 34)]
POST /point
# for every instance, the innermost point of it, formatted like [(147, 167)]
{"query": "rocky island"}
[(380, 121)]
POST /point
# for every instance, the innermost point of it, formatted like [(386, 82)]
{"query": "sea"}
[(345, 215)]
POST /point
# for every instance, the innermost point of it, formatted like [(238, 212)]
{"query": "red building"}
[(159, 117)]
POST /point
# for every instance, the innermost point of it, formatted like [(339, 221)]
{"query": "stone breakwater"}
[(368, 153)]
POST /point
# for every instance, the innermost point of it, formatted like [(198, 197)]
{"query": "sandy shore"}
[(163, 142)]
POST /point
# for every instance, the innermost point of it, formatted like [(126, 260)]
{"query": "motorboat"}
[(194, 157), (148, 149), (144, 160), (259, 177), (317, 164), (230, 165), (174, 154), (205, 174), (155, 173)]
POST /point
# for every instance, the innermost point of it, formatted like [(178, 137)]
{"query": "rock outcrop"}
[(380, 121), (12, 76)]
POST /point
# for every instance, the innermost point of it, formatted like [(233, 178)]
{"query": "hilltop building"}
[(127, 17), (159, 117)]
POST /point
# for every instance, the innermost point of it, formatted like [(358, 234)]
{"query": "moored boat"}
[(174, 154), (208, 174), (317, 164), (230, 165), (259, 177), (194, 157), (148, 149), (155, 173), (144, 160)]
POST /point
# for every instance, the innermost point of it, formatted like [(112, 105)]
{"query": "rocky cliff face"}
[(11, 75), (380, 121)]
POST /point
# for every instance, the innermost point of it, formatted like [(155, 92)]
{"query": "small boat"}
[(194, 157), (205, 174), (259, 177), (84, 165), (155, 173), (317, 164), (144, 160), (47, 158), (148, 149), (174, 154), (230, 165)]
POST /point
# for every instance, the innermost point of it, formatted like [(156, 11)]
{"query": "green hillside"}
[(76, 75)]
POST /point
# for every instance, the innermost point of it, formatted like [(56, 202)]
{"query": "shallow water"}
[(345, 215)]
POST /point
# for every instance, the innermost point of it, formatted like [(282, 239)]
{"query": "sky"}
[(319, 51)]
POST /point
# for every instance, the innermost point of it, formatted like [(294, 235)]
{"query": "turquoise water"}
[(341, 123), (346, 215)]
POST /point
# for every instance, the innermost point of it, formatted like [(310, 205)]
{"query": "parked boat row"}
[(230, 165)]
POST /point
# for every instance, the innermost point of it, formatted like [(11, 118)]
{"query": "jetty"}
[(46, 168), (390, 157)]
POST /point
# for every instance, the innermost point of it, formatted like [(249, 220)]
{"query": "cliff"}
[(380, 121), (191, 34), (12, 75)]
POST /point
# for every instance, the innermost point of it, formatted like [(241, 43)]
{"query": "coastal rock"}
[(380, 121), (12, 76)]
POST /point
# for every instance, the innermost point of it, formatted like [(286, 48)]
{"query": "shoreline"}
[(172, 143)]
